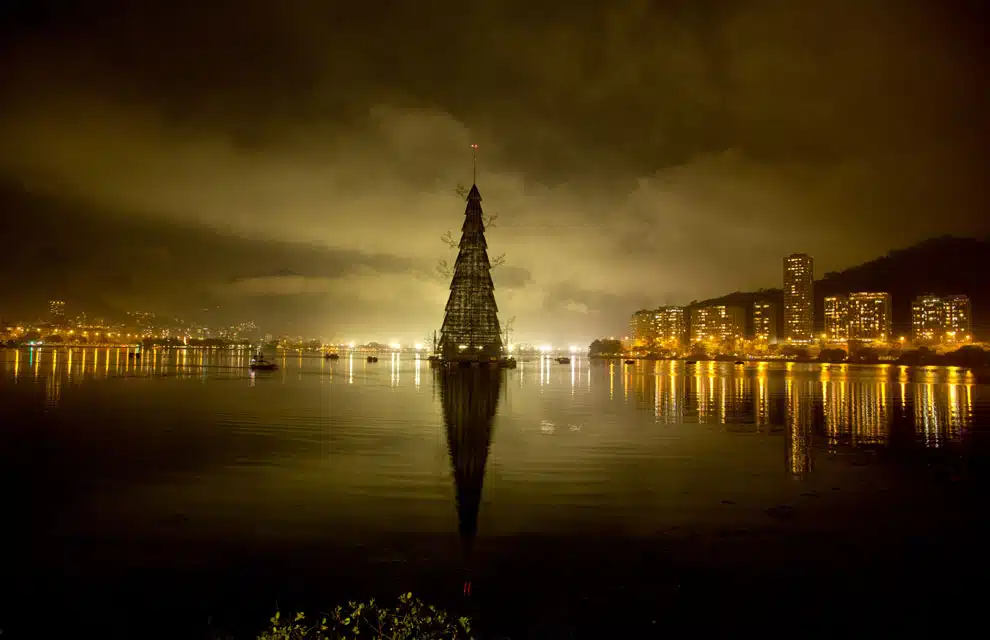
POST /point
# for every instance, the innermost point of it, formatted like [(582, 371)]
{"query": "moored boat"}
[(258, 363)]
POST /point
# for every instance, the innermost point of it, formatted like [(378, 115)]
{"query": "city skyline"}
[(856, 316), (850, 320), (675, 147)]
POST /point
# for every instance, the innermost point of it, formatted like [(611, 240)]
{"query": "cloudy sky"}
[(295, 162)]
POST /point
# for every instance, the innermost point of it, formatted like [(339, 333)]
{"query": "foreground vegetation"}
[(410, 619)]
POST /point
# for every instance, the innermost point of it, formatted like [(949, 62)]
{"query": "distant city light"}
[(350, 344), (510, 348), (419, 346), (546, 348), (574, 349), (395, 345)]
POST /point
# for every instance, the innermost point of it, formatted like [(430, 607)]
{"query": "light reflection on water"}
[(367, 446), (856, 405)]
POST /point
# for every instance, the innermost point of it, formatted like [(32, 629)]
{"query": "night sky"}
[(295, 162)]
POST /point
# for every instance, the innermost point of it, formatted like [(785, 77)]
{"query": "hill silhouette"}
[(942, 266)]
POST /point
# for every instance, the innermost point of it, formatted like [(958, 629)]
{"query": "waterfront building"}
[(957, 318), (643, 327), (927, 318), (799, 279), (765, 321), (717, 323), (670, 326), (941, 319), (836, 318), (56, 312), (869, 316)]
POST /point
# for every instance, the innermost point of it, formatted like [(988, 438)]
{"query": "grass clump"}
[(410, 619)]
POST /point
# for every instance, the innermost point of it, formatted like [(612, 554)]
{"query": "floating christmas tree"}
[(470, 329)]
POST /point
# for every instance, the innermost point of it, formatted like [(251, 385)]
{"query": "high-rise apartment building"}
[(643, 327), (702, 325), (799, 301), (927, 318), (869, 316), (671, 326), (947, 319), (765, 321), (957, 318), (717, 323), (836, 318), (56, 312)]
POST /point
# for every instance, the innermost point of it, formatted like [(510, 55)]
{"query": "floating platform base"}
[(469, 362)]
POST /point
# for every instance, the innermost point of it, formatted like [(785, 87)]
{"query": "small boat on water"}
[(332, 356), (630, 362), (563, 360), (258, 363), (740, 362), (372, 358), (691, 362)]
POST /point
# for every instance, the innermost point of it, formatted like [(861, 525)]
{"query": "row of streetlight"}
[(510, 348)]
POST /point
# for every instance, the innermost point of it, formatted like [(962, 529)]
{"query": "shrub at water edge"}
[(411, 618)]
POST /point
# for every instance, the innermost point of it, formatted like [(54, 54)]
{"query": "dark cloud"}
[(638, 152)]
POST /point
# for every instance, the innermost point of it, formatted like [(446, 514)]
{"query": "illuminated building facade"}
[(935, 319), (670, 325), (717, 323), (799, 315), (765, 321), (869, 316), (927, 318), (56, 311), (957, 318), (643, 327), (702, 324), (836, 318)]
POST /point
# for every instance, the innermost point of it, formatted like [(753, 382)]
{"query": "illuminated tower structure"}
[(799, 301), (470, 329)]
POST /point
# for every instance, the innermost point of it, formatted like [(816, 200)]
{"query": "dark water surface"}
[(187, 487)]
